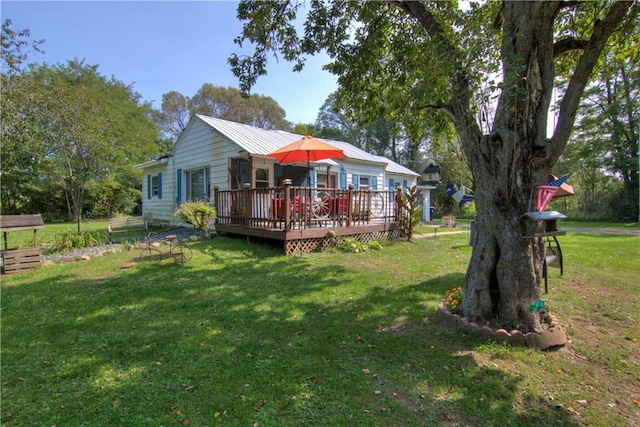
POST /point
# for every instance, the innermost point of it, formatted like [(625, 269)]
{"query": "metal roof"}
[(251, 139), (260, 141)]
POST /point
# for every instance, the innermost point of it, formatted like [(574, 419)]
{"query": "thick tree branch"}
[(602, 30), (568, 44), (459, 107), (442, 106)]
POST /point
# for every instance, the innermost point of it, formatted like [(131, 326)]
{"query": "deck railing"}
[(290, 208)]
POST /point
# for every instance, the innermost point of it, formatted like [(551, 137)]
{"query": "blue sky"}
[(163, 46)]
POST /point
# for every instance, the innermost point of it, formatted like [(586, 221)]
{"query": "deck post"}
[(398, 205), (215, 204), (349, 204), (287, 204), (247, 202)]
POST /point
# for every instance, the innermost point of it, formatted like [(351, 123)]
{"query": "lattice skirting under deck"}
[(318, 244)]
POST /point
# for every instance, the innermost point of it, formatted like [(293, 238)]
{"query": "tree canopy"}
[(221, 102), (603, 151), (68, 130)]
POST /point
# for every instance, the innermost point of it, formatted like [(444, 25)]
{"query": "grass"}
[(241, 335)]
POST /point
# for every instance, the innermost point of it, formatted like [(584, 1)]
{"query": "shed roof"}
[(394, 167)]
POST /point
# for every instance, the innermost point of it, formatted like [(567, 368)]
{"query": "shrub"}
[(453, 300), (375, 245), (197, 214), (351, 245), (70, 239), (354, 246), (411, 211)]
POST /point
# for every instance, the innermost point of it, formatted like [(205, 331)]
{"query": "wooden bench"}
[(125, 224), (553, 258)]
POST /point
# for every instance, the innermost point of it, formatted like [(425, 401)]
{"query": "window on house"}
[(154, 185), (238, 173), (198, 184), (322, 181), (365, 182), (262, 178)]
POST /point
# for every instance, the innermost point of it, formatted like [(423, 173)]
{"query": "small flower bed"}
[(453, 300)]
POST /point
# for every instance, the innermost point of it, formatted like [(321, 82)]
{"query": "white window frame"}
[(154, 185), (262, 182), (364, 182), (321, 180), (188, 184)]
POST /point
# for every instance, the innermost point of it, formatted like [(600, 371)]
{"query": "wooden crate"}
[(18, 260)]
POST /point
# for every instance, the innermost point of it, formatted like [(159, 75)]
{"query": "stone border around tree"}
[(553, 336)]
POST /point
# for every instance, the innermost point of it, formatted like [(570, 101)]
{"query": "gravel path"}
[(610, 231), (620, 231)]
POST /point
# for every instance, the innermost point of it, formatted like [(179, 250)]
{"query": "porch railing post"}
[(215, 204), (398, 205), (287, 203), (349, 204), (248, 203)]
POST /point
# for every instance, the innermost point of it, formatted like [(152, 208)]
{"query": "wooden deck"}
[(308, 219)]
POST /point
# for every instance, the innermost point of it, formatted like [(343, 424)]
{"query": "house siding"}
[(401, 180), (357, 170), (156, 207)]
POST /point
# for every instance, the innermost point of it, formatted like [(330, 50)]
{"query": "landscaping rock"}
[(552, 337)]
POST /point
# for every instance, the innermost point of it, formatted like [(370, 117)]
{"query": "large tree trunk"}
[(508, 165), (504, 273)]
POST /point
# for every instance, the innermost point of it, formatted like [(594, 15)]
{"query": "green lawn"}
[(241, 335)]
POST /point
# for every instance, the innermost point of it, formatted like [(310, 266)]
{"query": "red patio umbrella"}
[(307, 148)]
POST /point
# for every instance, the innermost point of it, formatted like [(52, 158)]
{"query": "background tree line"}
[(71, 136)]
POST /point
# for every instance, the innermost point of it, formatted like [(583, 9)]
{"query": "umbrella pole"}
[(308, 170)]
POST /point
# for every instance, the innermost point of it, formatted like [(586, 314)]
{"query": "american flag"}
[(558, 182), (546, 192)]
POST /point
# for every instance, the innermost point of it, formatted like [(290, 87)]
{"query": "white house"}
[(218, 153)]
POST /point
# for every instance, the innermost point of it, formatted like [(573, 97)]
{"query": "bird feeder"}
[(540, 224), (432, 173)]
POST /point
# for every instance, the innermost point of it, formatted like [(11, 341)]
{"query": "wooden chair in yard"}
[(126, 224)]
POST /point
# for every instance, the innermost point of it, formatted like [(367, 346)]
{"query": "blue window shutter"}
[(148, 186), (343, 180), (160, 186), (374, 182), (179, 186), (405, 184), (355, 179), (391, 188)]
